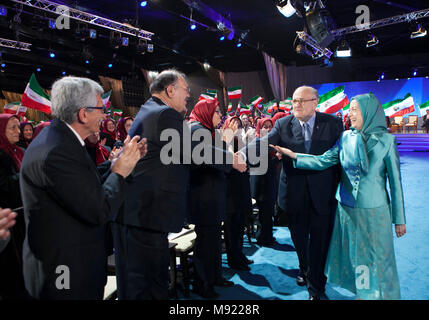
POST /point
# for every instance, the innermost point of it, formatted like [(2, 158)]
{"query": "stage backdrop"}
[(395, 95)]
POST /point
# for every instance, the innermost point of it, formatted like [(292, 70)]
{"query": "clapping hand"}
[(239, 164), (127, 158), (7, 220)]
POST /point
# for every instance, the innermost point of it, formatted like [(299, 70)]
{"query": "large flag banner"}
[(234, 93), (399, 107), (15, 108), (106, 97), (285, 105), (244, 109), (212, 92), (423, 107), (35, 98), (255, 101), (333, 101)]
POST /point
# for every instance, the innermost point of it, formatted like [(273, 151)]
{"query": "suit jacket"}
[(66, 212), (156, 193), (287, 132), (359, 189)]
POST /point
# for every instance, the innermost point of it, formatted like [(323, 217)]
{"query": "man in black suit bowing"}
[(66, 205), (156, 195), (308, 197)]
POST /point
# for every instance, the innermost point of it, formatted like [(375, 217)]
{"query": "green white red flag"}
[(106, 99), (255, 101), (423, 107), (35, 98), (244, 109), (399, 107), (333, 101), (286, 105), (15, 108), (117, 112), (234, 93), (207, 96)]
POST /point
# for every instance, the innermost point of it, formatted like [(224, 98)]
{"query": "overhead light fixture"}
[(415, 72), (38, 69), (3, 65), (52, 24), (143, 4), (372, 41), (3, 11), (92, 33), (150, 48), (286, 8), (192, 24), (52, 55), (419, 32), (239, 44), (222, 38), (125, 41), (343, 50)]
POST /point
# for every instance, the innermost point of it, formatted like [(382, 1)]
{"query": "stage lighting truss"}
[(88, 18), (318, 51), (408, 17), (15, 44)]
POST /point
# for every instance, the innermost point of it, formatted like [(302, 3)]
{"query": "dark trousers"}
[(142, 260), (234, 232), (266, 213), (311, 234), (208, 255)]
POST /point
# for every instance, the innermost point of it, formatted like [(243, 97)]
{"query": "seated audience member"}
[(11, 278), (425, 125), (98, 153), (26, 135), (122, 129), (108, 133)]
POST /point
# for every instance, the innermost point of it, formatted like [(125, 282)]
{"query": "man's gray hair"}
[(70, 94), (164, 79), (314, 91)]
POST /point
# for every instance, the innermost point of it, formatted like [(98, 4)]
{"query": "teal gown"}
[(361, 256)]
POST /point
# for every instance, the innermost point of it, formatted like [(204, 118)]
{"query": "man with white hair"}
[(66, 205)]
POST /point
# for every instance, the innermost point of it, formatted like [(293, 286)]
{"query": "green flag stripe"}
[(35, 86), (328, 95)]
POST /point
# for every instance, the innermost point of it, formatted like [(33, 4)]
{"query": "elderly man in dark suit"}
[(307, 197), (66, 205)]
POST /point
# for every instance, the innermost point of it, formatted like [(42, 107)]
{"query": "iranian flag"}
[(234, 93), (117, 112), (272, 106), (423, 107), (106, 97), (15, 108), (285, 105), (333, 100), (207, 96), (35, 98), (255, 101), (399, 107), (229, 110), (265, 110), (346, 109), (244, 109)]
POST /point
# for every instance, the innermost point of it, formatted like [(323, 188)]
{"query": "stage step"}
[(412, 142)]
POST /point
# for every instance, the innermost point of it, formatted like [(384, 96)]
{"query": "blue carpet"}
[(273, 274)]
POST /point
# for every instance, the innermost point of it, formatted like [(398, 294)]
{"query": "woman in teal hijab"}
[(361, 256)]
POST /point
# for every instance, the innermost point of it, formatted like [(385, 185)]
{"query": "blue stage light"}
[(63, 73), (143, 4), (3, 11), (87, 61), (52, 55), (239, 45), (382, 76), (3, 65), (110, 65), (52, 24), (193, 26), (415, 73), (38, 69), (222, 38)]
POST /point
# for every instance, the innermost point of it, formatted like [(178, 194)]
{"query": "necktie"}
[(307, 136)]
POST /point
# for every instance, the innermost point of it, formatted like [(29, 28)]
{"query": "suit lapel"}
[(297, 130), (317, 131)]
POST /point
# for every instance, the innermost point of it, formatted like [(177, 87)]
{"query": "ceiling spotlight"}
[(143, 4), (382, 76), (63, 73), (372, 41), (38, 69), (419, 32), (92, 33), (3, 65), (52, 24), (415, 72), (3, 11), (286, 8), (125, 41), (52, 55), (222, 38), (193, 26), (110, 65), (150, 47), (343, 50), (87, 61), (238, 44)]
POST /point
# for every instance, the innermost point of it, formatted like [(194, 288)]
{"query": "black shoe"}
[(241, 266), (247, 261), (206, 292), (224, 283)]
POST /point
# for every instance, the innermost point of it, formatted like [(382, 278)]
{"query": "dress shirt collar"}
[(310, 122)]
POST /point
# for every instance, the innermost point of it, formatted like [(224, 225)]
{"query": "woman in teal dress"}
[(361, 256)]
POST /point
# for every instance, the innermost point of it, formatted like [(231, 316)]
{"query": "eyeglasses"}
[(301, 101), (97, 108), (218, 111)]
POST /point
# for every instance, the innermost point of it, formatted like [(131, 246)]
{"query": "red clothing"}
[(11, 149)]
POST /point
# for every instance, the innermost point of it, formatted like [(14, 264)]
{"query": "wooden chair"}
[(412, 123), (397, 124)]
